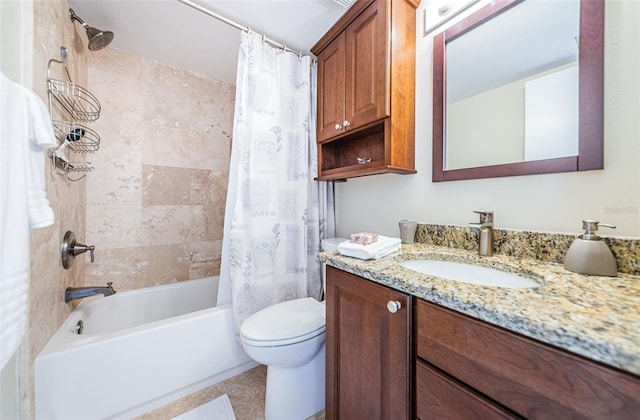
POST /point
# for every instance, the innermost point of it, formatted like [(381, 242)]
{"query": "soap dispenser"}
[(589, 254)]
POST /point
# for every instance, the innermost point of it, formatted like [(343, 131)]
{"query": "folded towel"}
[(383, 247)]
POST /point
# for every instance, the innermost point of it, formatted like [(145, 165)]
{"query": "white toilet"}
[(289, 338)]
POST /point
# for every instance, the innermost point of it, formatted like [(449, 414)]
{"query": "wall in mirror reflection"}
[(530, 119)]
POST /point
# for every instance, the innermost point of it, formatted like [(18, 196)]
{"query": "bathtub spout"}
[(72, 293)]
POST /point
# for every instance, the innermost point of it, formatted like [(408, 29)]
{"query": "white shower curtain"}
[(275, 212)]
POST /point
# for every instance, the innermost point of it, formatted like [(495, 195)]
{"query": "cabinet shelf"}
[(359, 154)]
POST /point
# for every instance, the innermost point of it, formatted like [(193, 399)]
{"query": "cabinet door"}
[(331, 82), (366, 68), (368, 350), (439, 398)]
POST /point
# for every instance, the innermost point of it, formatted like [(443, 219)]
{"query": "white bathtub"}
[(139, 350)]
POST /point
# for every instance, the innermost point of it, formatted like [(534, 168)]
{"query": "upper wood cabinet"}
[(352, 87), (331, 89), (366, 91)]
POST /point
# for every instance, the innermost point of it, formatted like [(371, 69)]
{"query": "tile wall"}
[(47, 309), (154, 205), (155, 201)]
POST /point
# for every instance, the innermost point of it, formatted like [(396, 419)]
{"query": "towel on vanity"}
[(382, 247), (25, 129)]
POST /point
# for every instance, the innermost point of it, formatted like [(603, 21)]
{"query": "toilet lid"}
[(286, 322)]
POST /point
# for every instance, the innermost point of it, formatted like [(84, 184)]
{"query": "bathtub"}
[(138, 351)]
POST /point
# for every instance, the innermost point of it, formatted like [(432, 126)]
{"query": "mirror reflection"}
[(518, 89), (520, 97)]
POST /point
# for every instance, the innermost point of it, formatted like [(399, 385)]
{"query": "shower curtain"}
[(276, 214)]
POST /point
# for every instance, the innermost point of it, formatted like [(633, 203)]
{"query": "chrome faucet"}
[(72, 293), (71, 248), (485, 228)]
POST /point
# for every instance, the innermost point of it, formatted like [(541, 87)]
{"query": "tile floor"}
[(246, 392)]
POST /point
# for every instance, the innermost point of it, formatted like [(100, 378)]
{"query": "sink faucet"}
[(72, 293), (485, 238)]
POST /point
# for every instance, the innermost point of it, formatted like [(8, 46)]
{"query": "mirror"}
[(518, 89)]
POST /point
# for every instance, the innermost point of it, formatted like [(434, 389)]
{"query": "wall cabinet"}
[(351, 75), (368, 349), (366, 91)]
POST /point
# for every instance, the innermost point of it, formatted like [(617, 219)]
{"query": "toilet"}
[(289, 339)]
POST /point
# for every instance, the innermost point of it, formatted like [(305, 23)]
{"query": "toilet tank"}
[(331, 244), (328, 245)]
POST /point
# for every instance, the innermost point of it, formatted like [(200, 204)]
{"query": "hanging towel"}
[(25, 129), (40, 138), (383, 247)]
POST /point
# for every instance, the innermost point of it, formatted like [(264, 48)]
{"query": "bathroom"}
[(180, 238)]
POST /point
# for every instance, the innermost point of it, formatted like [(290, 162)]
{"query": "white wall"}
[(551, 203), (479, 135), (16, 40)]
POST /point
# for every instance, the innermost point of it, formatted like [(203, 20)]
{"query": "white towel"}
[(40, 138), (383, 247), (25, 128)]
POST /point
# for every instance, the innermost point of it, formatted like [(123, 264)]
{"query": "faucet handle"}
[(486, 216), (72, 248)]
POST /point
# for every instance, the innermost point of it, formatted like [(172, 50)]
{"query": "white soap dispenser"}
[(589, 254)]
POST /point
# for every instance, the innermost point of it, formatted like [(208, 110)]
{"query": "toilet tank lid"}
[(285, 320), (331, 244)]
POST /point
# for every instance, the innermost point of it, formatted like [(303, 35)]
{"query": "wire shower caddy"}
[(80, 105)]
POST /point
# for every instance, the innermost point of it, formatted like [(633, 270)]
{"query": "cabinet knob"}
[(338, 127), (346, 123), (394, 306)]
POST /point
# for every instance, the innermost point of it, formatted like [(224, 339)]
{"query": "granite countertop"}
[(596, 317)]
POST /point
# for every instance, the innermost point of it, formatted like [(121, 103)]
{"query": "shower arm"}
[(78, 18)]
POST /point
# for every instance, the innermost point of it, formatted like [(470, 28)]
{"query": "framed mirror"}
[(518, 89)]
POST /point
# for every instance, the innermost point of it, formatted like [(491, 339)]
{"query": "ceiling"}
[(173, 33)]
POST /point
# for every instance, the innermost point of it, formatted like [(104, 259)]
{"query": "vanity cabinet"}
[(368, 349), (428, 362), (469, 369), (366, 91)]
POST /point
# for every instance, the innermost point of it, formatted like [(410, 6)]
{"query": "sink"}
[(468, 273)]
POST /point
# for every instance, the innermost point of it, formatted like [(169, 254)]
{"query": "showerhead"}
[(97, 39)]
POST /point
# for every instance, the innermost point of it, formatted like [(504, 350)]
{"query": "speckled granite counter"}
[(596, 317)]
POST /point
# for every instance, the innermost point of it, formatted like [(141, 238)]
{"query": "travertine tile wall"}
[(155, 202), (154, 205), (47, 309)]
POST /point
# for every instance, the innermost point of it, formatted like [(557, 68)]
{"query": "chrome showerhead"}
[(97, 39)]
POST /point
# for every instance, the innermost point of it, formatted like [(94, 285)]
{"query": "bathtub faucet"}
[(72, 293)]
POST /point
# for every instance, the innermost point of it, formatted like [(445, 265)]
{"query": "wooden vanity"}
[(369, 350), (429, 362)]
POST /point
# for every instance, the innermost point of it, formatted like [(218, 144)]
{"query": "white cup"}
[(408, 231)]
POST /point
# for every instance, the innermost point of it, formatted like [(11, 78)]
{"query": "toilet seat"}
[(284, 323)]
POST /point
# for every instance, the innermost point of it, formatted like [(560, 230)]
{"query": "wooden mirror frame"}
[(591, 102)]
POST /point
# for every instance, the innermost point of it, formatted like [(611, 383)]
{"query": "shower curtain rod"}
[(238, 26)]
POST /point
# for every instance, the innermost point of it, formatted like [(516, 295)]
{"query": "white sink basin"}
[(468, 273)]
